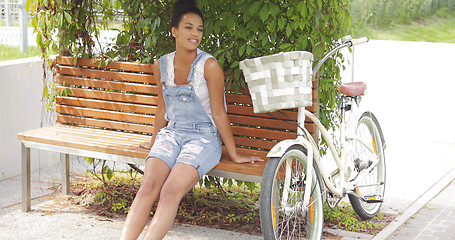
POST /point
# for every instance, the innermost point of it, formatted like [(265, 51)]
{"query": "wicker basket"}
[(279, 81)]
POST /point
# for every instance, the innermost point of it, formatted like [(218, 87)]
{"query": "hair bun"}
[(182, 4), (182, 7)]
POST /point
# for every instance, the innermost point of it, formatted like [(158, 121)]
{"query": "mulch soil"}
[(236, 211)]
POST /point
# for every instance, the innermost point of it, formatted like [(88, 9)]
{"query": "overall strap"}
[(198, 58), (165, 61)]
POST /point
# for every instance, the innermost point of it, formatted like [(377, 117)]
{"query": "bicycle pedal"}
[(373, 199)]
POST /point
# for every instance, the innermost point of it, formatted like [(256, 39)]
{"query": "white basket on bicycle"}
[(279, 81)]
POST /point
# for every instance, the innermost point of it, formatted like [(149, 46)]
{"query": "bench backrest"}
[(122, 96)]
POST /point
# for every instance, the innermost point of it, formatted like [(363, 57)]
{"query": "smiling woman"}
[(190, 121)]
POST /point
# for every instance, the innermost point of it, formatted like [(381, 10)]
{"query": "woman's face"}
[(188, 35)]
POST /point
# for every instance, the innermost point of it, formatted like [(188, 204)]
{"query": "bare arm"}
[(215, 82)]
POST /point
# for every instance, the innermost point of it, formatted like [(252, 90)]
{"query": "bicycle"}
[(295, 180)]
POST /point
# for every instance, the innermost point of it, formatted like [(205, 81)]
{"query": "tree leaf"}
[(242, 49), (288, 30), (281, 23), (67, 17), (264, 13)]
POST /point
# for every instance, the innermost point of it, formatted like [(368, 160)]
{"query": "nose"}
[(195, 32)]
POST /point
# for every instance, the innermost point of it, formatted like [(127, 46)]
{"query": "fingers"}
[(255, 159), (248, 159)]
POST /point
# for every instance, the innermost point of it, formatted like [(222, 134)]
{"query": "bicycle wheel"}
[(283, 215), (370, 190)]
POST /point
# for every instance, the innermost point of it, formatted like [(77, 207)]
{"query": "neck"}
[(185, 56)]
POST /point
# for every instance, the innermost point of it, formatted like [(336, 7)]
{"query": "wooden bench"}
[(111, 110)]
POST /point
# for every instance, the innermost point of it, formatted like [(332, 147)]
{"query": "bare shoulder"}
[(212, 69), (212, 64)]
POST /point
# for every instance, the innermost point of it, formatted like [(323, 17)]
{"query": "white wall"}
[(20, 110)]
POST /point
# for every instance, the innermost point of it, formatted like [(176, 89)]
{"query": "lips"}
[(193, 40)]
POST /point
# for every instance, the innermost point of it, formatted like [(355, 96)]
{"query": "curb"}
[(416, 206)]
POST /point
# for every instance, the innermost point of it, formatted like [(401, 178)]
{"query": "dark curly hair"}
[(182, 7)]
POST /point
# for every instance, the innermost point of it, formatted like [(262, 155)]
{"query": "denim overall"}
[(190, 136)]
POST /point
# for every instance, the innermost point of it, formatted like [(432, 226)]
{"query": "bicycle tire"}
[(288, 220), (369, 130)]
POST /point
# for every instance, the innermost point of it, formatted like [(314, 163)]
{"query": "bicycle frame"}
[(304, 138)]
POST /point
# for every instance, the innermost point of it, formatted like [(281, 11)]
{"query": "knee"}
[(170, 193), (149, 188)]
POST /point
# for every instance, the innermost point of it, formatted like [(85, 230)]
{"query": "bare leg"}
[(181, 180), (156, 173)]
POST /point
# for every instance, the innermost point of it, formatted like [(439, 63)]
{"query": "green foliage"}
[(345, 217), (104, 173), (249, 28), (380, 13), (234, 30)]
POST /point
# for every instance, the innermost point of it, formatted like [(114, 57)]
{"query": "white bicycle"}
[(296, 182)]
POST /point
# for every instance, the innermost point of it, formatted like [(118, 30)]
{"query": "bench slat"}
[(105, 114), (107, 105), (248, 111), (130, 127), (90, 138), (266, 123), (262, 133), (117, 65), (107, 84), (107, 74), (254, 143), (111, 96)]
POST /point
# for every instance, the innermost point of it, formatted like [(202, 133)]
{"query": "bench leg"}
[(26, 199), (65, 162)]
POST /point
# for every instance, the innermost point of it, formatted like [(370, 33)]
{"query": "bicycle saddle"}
[(352, 89)]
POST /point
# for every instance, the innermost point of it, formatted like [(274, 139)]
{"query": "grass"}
[(433, 29), (12, 52)]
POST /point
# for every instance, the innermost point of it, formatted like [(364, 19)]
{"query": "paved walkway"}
[(436, 220)]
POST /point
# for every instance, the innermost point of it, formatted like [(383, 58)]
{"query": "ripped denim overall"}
[(190, 136)]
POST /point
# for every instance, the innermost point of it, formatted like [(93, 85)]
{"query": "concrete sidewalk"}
[(436, 220)]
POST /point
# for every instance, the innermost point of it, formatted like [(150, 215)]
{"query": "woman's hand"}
[(246, 159)]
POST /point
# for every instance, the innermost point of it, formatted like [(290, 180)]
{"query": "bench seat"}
[(103, 143)]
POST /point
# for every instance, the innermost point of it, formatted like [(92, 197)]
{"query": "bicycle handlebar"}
[(348, 42), (359, 40)]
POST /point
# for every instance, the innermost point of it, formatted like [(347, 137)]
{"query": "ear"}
[(174, 32)]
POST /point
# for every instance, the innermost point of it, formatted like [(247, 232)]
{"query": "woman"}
[(190, 119)]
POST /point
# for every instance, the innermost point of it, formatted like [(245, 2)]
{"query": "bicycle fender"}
[(280, 148)]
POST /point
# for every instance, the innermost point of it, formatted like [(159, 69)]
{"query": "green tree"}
[(234, 30)]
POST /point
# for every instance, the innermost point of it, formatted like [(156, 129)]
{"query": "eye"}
[(200, 29), (188, 27)]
